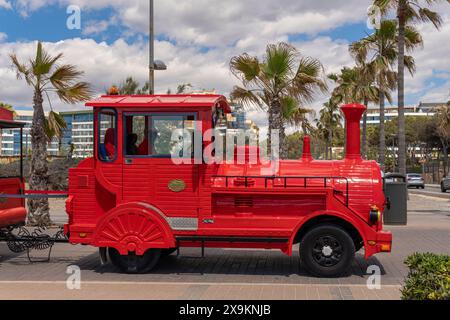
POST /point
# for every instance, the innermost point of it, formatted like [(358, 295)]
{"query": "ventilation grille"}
[(243, 202)]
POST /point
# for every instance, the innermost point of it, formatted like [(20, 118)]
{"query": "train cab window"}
[(107, 149), (172, 136), (136, 143), (159, 136)]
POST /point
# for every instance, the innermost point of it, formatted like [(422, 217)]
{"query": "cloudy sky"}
[(197, 38)]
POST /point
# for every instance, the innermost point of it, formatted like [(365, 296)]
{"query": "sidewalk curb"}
[(440, 196)]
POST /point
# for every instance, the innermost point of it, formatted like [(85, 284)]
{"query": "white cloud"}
[(432, 64), (97, 27), (222, 23), (5, 4), (3, 37), (226, 28)]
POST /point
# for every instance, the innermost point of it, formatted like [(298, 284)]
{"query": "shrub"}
[(429, 277)]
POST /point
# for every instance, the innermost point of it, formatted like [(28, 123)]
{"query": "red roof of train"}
[(149, 101)]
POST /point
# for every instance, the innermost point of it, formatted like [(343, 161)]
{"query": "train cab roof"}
[(162, 101), (7, 120)]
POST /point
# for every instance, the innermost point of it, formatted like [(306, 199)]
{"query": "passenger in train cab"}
[(110, 143), (132, 148), (143, 149)]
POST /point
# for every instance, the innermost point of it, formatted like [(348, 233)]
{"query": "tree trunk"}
[(445, 153), (364, 132), (382, 150), (269, 132), (39, 211), (331, 144), (401, 86), (278, 124)]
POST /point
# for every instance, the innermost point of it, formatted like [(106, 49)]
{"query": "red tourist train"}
[(136, 205)]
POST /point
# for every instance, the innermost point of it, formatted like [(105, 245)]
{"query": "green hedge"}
[(429, 277)]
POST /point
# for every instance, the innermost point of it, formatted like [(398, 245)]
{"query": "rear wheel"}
[(134, 264), (327, 251), (443, 188)]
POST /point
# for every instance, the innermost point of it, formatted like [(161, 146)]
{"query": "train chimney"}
[(307, 149), (353, 114)]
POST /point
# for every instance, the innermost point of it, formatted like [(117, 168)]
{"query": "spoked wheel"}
[(134, 264), (327, 251)]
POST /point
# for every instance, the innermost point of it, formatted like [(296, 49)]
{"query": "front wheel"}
[(134, 264), (443, 188), (327, 251)]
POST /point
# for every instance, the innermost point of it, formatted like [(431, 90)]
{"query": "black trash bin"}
[(396, 191)]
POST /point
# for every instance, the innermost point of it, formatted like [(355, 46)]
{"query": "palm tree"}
[(356, 85), (279, 84), (408, 11), (381, 49), (45, 76), (330, 119), (130, 87), (183, 88)]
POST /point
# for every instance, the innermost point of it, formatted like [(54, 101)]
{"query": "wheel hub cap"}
[(327, 251)]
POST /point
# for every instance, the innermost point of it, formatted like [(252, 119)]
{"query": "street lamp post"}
[(153, 64), (151, 50)]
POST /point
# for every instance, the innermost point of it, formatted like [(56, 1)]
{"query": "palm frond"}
[(64, 75), (246, 97), (78, 92), (410, 64), (426, 15), (54, 125), (279, 60), (245, 67), (43, 62), (21, 70)]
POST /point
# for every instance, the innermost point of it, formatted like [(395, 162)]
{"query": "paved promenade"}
[(227, 274)]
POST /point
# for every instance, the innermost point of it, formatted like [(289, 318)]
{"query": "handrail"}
[(286, 178), (36, 194)]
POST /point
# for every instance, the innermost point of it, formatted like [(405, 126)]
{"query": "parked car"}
[(445, 184), (415, 180)]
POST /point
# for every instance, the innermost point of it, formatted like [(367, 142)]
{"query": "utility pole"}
[(151, 50)]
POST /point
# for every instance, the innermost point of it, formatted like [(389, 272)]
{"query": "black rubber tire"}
[(133, 264), (443, 189), (167, 252), (341, 237)]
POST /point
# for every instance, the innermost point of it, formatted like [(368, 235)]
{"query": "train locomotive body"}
[(134, 203)]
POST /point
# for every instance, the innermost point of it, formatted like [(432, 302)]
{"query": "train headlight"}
[(375, 216)]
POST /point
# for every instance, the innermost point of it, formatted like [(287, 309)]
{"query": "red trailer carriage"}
[(12, 210), (134, 203)]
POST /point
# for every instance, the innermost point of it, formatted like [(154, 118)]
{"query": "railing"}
[(327, 182)]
